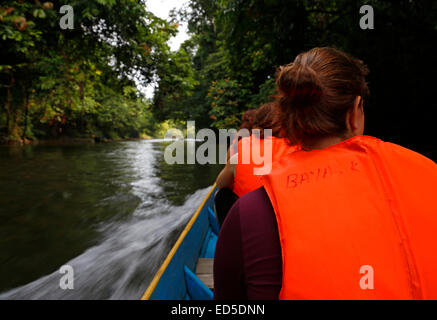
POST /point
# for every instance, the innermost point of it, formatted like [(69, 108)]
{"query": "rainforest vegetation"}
[(86, 82)]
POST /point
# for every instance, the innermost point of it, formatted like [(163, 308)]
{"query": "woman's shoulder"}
[(406, 153), (400, 160), (392, 151)]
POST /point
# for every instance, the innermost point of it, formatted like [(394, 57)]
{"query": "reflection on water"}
[(111, 211)]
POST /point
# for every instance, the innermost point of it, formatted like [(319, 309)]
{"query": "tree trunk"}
[(8, 106), (15, 132), (26, 113), (82, 97)]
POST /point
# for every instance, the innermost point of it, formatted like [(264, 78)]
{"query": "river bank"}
[(68, 141)]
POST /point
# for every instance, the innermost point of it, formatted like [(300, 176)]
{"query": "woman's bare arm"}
[(226, 177)]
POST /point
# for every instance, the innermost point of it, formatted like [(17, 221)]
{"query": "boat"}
[(186, 273)]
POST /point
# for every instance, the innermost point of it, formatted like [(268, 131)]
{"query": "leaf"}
[(47, 5), (41, 14)]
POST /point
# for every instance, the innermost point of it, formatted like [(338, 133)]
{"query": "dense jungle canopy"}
[(83, 82)]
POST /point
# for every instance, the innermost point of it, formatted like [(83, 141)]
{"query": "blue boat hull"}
[(176, 279)]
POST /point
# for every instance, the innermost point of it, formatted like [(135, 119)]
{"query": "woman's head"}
[(321, 95), (267, 117)]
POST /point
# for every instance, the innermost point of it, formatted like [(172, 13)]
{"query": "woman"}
[(225, 197), (346, 217), (238, 177)]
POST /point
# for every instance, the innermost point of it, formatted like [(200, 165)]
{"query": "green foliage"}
[(226, 98), (247, 41), (171, 127), (78, 82), (176, 86)]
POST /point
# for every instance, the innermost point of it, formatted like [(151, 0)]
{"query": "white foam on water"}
[(130, 252)]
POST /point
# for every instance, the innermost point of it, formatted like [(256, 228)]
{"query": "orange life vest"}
[(359, 207), (245, 180)]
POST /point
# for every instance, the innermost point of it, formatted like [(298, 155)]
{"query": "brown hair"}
[(267, 117), (247, 119), (316, 91)]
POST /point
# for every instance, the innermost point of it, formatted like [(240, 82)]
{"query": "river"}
[(111, 211)]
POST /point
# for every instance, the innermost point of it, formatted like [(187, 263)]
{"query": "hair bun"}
[(300, 85)]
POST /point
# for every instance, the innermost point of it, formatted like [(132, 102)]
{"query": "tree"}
[(246, 41), (51, 78)]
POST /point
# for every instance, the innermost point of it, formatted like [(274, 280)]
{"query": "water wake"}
[(130, 250), (123, 264)]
